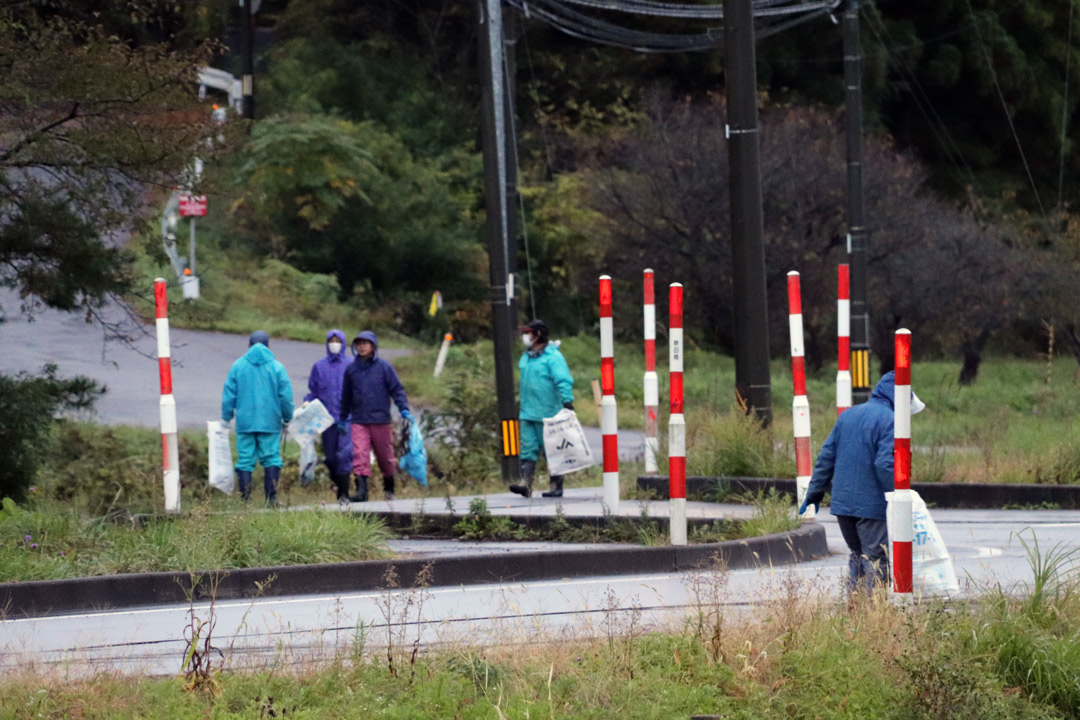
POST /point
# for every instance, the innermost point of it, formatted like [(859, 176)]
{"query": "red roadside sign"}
[(192, 205)]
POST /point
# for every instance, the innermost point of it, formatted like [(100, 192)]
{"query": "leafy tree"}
[(349, 199), (89, 124)]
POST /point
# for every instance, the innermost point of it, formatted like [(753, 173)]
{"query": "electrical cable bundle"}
[(772, 16)]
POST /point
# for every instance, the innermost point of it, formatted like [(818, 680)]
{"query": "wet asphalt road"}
[(201, 361), (985, 546)]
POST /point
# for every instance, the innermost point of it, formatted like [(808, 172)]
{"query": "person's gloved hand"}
[(226, 423), (342, 427), (806, 504), (568, 405), (408, 416)]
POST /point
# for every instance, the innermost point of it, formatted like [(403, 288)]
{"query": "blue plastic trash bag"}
[(414, 456)]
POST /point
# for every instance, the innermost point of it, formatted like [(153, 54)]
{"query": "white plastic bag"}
[(931, 564), (565, 444), (308, 459), (309, 422), (221, 464)]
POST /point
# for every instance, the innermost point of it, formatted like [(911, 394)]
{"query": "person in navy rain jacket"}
[(258, 391), (369, 384), (856, 462), (324, 384)]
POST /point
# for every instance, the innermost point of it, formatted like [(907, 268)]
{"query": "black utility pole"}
[(498, 228), (752, 385), (248, 82), (857, 235)]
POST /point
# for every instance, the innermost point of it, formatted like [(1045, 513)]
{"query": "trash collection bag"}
[(565, 445), (413, 454), (221, 463), (309, 422), (931, 564), (309, 458)]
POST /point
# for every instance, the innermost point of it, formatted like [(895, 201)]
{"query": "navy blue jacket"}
[(856, 461), (367, 389)]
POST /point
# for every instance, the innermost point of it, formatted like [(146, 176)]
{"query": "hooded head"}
[(259, 337), (370, 337), (885, 390), (338, 337)]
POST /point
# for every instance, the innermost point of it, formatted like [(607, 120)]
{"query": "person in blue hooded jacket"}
[(258, 392), (367, 388), (324, 384), (856, 463), (546, 388)]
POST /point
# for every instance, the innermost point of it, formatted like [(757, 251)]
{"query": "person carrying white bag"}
[(546, 388), (856, 463)]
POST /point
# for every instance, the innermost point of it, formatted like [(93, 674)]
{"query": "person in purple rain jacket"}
[(324, 385)]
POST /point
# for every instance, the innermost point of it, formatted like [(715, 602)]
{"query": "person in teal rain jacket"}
[(546, 388), (258, 392)]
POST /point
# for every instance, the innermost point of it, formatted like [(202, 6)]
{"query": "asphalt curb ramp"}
[(50, 597), (975, 496)]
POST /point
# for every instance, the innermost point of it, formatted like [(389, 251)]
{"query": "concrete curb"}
[(50, 597), (942, 495)]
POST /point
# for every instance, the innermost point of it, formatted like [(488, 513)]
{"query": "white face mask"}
[(527, 340), (334, 347)]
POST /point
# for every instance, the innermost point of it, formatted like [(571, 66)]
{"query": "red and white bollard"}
[(169, 449), (800, 406), (609, 414), (903, 527), (676, 421), (652, 385), (440, 361), (843, 335)]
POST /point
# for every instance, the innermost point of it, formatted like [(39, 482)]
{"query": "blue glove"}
[(342, 427), (805, 504), (407, 415)]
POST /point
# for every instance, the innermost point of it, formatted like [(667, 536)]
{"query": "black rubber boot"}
[(243, 479), (556, 487), (341, 482), (271, 475), (524, 488), (388, 487), (361, 493)]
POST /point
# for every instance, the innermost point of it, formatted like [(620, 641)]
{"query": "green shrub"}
[(27, 406), (735, 445)]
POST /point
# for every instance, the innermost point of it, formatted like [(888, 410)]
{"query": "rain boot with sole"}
[(271, 475), (556, 487), (361, 494), (524, 488), (243, 479)]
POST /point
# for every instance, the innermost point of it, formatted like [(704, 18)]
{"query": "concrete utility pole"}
[(494, 140), (857, 235), (249, 59), (752, 384)]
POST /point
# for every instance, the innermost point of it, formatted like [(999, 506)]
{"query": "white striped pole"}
[(800, 406), (609, 414), (170, 451), (652, 385), (440, 361), (676, 421), (843, 334), (903, 528)]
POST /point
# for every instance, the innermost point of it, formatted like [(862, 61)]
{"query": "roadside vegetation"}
[(1010, 655)]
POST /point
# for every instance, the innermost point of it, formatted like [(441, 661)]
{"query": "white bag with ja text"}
[(565, 444), (931, 565)]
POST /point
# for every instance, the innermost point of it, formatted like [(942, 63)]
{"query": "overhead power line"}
[(773, 16)]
